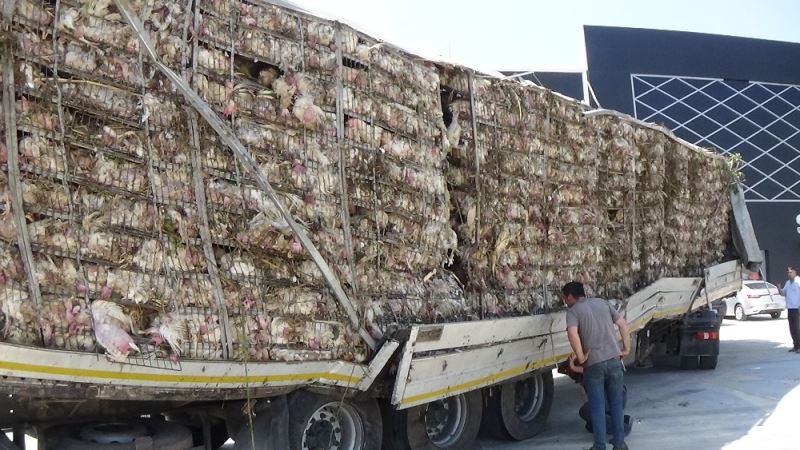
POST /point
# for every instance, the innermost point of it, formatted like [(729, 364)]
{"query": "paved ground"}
[(752, 400)]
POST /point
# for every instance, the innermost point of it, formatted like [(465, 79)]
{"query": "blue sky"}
[(547, 35)]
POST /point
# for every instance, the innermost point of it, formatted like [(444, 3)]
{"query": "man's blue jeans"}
[(603, 382)]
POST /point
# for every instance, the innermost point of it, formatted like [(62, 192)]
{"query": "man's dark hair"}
[(573, 288), (793, 268)]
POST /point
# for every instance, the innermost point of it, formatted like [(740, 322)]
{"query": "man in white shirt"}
[(791, 290)]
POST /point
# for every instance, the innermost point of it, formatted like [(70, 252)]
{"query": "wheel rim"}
[(334, 426), (528, 398), (739, 312), (445, 420)]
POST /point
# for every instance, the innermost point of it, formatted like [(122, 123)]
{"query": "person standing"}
[(791, 290), (590, 329)]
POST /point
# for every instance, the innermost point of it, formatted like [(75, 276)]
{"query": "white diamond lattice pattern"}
[(760, 121)]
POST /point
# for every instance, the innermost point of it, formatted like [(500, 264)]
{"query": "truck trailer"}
[(233, 219)]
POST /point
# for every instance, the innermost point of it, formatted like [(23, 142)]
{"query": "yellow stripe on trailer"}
[(175, 378)]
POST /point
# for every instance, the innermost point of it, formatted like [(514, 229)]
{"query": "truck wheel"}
[(708, 362), (776, 314), (738, 312), (519, 409), (689, 362), (123, 435), (452, 423), (322, 422)]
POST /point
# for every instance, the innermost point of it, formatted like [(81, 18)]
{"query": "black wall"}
[(613, 54), (777, 234)]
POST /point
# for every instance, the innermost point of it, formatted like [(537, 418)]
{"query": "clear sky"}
[(547, 35)]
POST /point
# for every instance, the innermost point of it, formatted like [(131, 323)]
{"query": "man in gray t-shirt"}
[(590, 329)]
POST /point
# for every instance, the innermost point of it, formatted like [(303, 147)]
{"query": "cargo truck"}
[(420, 377)]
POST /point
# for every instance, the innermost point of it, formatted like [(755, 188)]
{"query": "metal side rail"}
[(56, 373)]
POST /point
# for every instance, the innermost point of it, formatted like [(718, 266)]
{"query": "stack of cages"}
[(521, 175), (617, 182), (149, 237), (677, 236), (111, 229), (574, 196), (271, 73), (709, 179), (398, 201), (649, 202)]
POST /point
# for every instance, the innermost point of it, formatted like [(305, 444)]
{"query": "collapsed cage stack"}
[(144, 237)]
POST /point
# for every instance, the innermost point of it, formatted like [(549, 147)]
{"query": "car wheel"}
[(739, 312), (776, 314)]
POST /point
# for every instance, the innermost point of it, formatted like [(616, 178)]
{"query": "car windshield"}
[(757, 285)]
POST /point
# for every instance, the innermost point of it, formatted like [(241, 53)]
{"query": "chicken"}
[(285, 90), (169, 329), (111, 327), (237, 266), (309, 114), (268, 76), (77, 316), (319, 33), (454, 132)]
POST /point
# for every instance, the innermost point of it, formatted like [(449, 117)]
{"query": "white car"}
[(756, 297)]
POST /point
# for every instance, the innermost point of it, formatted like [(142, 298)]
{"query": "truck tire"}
[(738, 312), (452, 423), (122, 435), (518, 410), (320, 422), (776, 314), (708, 362)]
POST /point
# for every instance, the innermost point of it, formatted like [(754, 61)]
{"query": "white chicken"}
[(454, 132), (309, 114), (285, 90), (237, 265), (111, 327), (170, 329)]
